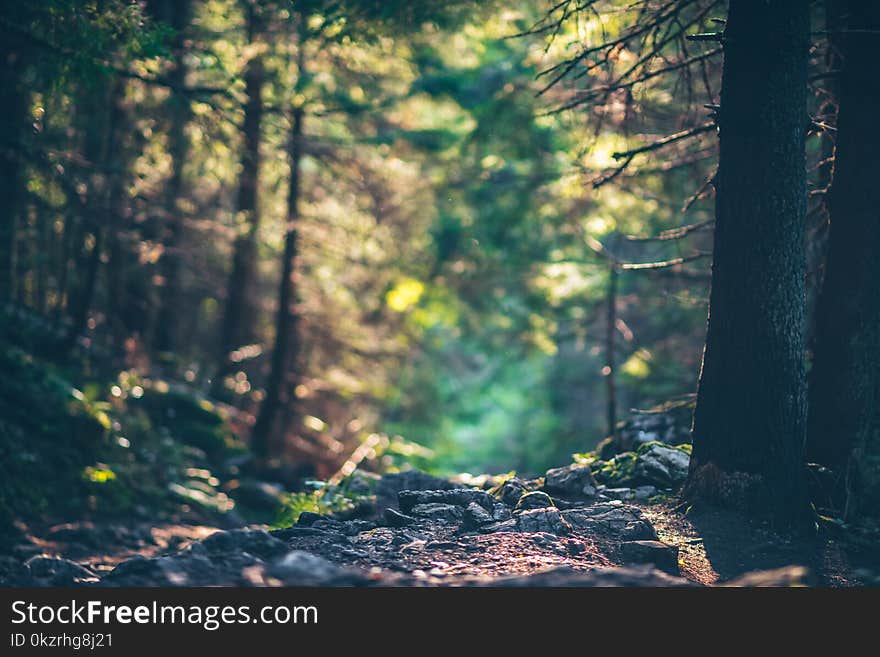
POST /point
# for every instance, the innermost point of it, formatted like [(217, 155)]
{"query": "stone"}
[(534, 500), (565, 576), (476, 516), (394, 518), (612, 520), (571, 482), (656, 553), (259, 494), (407, 499), (549, 521), (438, 511), (300, 568), (514, 488), (388, 487), (257, 542), (660, 465), (308, 518), (355, 527), (56, 571)]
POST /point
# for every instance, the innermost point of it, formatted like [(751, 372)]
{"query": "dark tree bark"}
[(750, 419), (13, 101), (237, 327), (844, 419), (282, 376), (179, 116)]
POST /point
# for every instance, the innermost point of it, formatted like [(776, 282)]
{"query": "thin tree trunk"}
[(237, 326), (844, 418), (750, 419), (283, 368), (610, 334), (180, 114), (103, 146)]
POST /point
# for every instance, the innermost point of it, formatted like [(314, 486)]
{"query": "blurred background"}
[(295, 238)]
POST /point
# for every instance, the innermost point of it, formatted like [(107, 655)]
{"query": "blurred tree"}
[(238, 324)]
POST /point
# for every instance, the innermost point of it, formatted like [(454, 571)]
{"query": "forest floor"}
[(442, 538)]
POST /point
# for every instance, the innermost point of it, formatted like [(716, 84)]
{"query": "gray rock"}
[(514, 488), (549, 521), (535, 500), (300, 568), (564, 576), (661, 466), (656, 553), (308, 518), (56, 571), (637, 494), (394, 518), (259, 494), (476, 516), (500, 513), (438, 511), (407, 499), (571, 482), (257, 542), (612, 521)]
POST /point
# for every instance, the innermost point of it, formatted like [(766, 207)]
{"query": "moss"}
[(616, 470)]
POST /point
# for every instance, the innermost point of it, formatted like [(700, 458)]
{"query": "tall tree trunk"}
[(13, 100), (844, 419), (180, 114), (237, 326), (750, 419), (282, 376), (102, 148)]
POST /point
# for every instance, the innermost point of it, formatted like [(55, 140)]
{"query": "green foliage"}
[(191, 419), (324, 499)]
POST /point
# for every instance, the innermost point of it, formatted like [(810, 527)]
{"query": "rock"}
[(513, 489), (571, 482), (476, 516), (660, 465), (656, 553), (549, 521), (257, 542), (407, 499), (638, 494), (612, 520), (788, 576), (390, 485), (534, 500), (55, 571), (564, 576), (355, 527), (671, 425), (501, 513), (300, 568), (509, 525), (438, 511), (259, 494), (622, 494), (644, 493), (394, 518), (308, 518)]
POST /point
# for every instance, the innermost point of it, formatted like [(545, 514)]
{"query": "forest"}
[(439, 293)]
